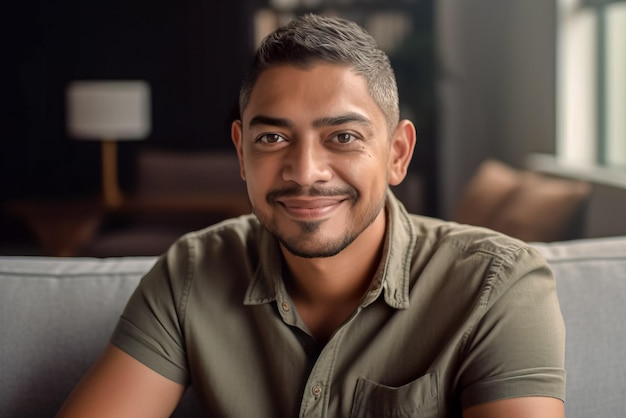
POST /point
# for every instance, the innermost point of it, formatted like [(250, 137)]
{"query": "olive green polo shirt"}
[(455, 316)]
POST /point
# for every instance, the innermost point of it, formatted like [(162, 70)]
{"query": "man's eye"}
[(345, 138), (270, 138)]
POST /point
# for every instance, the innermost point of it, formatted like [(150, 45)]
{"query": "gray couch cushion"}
[(56, 315), (591, 285)]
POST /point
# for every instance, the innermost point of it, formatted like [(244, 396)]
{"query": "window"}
[(591, 94)]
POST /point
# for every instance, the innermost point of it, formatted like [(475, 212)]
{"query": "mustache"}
[(311, 191)]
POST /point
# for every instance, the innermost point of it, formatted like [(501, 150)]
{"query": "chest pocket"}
[(416, 399)]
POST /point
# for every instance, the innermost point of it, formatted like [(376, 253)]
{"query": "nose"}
[(307, 163)]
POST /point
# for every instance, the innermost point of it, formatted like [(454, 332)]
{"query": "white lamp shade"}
[(114, 110)]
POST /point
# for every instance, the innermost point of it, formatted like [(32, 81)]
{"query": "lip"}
[(310, 208)]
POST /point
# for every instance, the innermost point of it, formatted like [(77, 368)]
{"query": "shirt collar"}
[(392, 277)]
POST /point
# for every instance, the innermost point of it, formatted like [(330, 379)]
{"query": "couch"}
[(56, 315)]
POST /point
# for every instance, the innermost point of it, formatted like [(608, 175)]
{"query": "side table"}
[(60, 226)]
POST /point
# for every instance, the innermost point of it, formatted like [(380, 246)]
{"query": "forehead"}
[(318, 91)]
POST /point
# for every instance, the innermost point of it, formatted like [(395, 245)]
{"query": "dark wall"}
[(193, 54)]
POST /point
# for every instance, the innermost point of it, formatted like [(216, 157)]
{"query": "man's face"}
[(314, 150)]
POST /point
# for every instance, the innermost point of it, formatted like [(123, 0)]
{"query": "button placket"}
[(315, 404)]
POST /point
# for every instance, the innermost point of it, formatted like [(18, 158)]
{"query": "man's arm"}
[(120, 386), (525, 407)]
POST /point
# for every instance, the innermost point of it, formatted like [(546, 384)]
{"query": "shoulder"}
[(490, 259), (436, 234), (232, 241), (226, 235)]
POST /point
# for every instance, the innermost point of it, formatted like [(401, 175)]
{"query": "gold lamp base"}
[(110, 185)]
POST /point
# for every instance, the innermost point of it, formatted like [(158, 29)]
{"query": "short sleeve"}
[(518, 347), (150, 328)]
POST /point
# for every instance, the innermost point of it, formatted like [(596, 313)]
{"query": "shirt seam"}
[(184, 296), (499, 260), (505, 258)]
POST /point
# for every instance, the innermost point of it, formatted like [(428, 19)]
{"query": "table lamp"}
[(109, 111)]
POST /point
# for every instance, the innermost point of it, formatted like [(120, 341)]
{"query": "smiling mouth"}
[(310, 208), (311, 203)]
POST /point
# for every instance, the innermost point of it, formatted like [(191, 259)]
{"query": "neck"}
[(327, 290)]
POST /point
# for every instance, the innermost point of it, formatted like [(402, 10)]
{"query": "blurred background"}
[(520, 109)]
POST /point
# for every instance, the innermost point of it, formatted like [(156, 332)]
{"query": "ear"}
[(236, 134), (401, 152)]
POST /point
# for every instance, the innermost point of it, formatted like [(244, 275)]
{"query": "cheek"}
[(259, 175), (367, 172)]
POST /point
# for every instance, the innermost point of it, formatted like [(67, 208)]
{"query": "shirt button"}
[(285, 306), (316, 390)]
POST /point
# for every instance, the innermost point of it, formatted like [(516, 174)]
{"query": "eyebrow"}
[(318, 123), (342, 119), (268, 120)]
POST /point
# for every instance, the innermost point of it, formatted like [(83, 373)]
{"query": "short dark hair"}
[(310, 39)]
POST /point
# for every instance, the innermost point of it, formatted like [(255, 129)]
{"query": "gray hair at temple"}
[(310, 39)]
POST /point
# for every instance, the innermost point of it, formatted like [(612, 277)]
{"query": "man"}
[(331, 300)]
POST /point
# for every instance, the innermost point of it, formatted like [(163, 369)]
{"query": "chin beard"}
[(326, 250)]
